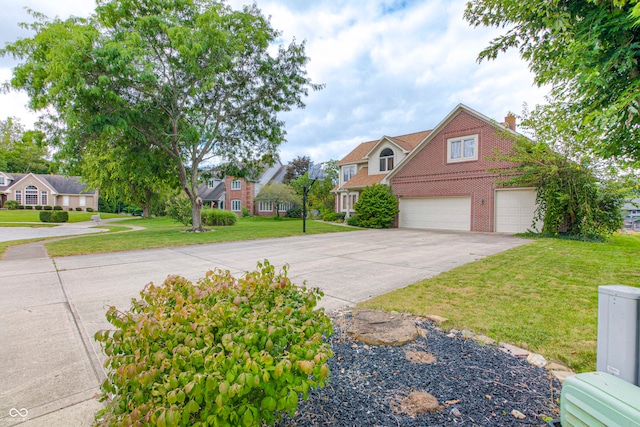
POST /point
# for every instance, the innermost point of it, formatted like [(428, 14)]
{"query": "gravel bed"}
[(475, 385)]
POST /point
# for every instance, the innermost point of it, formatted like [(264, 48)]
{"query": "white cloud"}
[(390, 67)]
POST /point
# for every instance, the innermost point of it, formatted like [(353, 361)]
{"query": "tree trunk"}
[(146, 208)]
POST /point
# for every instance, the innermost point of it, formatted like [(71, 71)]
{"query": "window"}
[(212, 183), (65, 200), (462, 149), (221, 204), (236, 184), (265, 206), (386, 160), (236, 206), (1, 180), (348, 172), (31, 195), (83, 201), (44, 198), (283, 207), (19, 196)]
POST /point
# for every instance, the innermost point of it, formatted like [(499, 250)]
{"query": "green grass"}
[(164, 232), (34, 216), (112, 228), (542, 296)]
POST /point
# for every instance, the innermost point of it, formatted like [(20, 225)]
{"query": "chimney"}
[(510, 122)]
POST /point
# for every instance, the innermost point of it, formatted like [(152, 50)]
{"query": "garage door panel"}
[(515, 210), (444, 213)]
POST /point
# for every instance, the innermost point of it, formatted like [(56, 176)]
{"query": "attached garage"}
[(444, 213), (515, 209)]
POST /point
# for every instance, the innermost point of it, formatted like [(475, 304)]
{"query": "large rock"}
[(382, 328)]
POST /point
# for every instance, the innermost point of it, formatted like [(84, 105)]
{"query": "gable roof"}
[(58, 183), (453, 114), (207, 193), (363, 179), (406, 142)]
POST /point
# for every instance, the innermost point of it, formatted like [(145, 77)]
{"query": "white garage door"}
[(515, 210), (443, 213)]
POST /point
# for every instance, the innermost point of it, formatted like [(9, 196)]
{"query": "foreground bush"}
[(11, 205), (376, 207), (223, 352), (218, 217), (54, 216)]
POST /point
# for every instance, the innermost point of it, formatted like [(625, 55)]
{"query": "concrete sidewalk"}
[(51, 367)]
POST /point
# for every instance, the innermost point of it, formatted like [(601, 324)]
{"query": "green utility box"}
[(597, 399)]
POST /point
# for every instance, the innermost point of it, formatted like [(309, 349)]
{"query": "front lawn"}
[(165, 232), (542, 296), (7, 215)]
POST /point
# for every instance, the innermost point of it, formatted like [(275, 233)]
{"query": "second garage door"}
[(515, 209), (443, 213)]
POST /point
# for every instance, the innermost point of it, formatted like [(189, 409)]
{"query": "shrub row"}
[(218, 217), (54, 216), (223, 352)]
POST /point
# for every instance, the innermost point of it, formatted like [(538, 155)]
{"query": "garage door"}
[(444, 213), (515, 210)]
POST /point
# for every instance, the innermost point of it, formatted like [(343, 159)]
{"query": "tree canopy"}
[(22, 151), (588, 51), (296, 168), (195, 79), (277, 194)]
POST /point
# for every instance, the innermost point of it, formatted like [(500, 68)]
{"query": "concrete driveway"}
[(50, 309)]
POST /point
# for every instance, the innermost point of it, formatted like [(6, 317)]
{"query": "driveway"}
[(18, 233), (51, 367)]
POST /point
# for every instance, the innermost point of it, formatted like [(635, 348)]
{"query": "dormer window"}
[(1, 180), (386, 160)]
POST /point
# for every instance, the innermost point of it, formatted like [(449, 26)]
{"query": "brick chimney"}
[(510, 122)]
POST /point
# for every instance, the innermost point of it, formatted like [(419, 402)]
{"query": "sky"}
[(391, 67)]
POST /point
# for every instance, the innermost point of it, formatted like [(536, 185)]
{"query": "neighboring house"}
[(631, 212), (233, 193), (46, 190), (442, 181)]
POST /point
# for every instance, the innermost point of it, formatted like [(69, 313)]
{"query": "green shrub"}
[(28, 207), (329, 216), (38, 207), (245, 212), (89, 209), (54, 216), (78, 209), (353, 220), (11, 205), (295, 212), (223, 352), (218, 217), (376, 207), (179, 208), (57, 208), (47, 208)]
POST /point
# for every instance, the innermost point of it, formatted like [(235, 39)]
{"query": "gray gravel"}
[(476, 385)]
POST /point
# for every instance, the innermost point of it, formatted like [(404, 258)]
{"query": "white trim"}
[(236, 183), (388, 138), (265, 206), (237, 202), (462, 140)]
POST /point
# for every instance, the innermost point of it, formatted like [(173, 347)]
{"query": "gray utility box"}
[(618, 331)]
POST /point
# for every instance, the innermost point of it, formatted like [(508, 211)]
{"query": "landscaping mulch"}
[(474, 384)]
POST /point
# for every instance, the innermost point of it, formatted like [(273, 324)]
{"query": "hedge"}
[(54, 216)]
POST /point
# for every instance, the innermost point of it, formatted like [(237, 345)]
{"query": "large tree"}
[(194, 78), (22, 151), (588, 51)]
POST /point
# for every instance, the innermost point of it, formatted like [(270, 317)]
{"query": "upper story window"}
[(31, 195), (211, 183), (348, 172), (462, 149), (236, 184), (386, 160), (1, 180)]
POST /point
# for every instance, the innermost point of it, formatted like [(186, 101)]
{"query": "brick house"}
[(233, 194), (444, 183), (47, 190)]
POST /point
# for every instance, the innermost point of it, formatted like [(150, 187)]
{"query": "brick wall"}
[(428, 174), (245, 194)]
